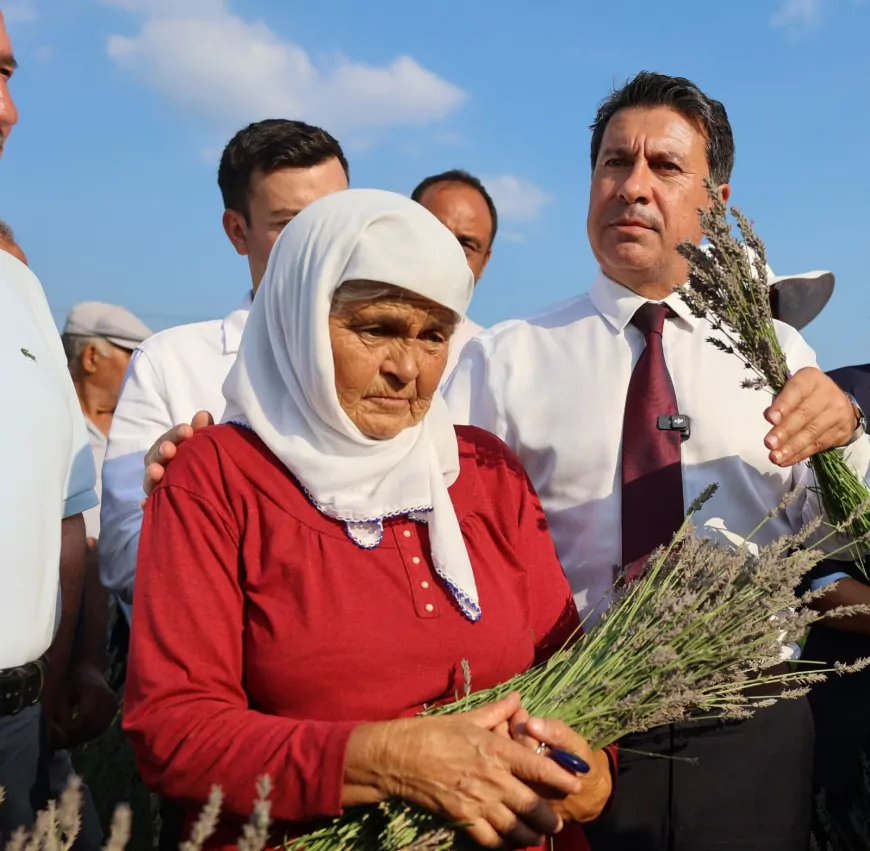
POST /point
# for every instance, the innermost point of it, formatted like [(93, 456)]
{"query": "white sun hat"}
[(798, 299)]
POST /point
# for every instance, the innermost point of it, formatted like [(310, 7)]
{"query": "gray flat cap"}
[(109, 321)]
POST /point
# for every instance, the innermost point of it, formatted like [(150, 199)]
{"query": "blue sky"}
[(109, 179)]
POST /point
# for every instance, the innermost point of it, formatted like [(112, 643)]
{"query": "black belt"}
[(22, 687)]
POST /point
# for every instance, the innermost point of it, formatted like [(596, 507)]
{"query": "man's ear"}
[(90, 359), (236, 229)]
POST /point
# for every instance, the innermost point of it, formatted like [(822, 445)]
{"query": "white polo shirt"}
[(171, 376), (48, 465)]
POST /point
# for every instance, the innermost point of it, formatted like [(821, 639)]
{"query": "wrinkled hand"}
[(165, 447), (595, 787), (85, 708), (810, 414), (457, 767)]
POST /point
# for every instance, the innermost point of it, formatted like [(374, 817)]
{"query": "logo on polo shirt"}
[(28, 354)]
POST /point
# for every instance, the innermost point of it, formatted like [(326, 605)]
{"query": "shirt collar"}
[(94, 432), (618, 304), (234, 324)]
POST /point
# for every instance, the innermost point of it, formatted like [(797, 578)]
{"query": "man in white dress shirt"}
[(461, 203), (268, 173), (51, 475), (561, 390)]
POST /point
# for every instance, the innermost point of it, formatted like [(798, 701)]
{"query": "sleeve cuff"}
[(856, 435), (322, 791), (825, 581), (79, 503)]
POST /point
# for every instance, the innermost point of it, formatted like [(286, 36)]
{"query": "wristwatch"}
[(861, 428)]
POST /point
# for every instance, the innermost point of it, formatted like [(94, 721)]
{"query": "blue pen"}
[(569, 761)]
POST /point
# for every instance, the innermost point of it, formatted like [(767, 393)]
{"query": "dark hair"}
[(647, 89), (267, 146), (457, 175)]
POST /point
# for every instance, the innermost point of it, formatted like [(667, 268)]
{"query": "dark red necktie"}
[(652, 473)]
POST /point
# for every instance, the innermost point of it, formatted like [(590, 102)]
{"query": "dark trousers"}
[(19, 768), (729, 785)]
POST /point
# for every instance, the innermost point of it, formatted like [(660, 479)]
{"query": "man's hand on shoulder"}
[(810, 414), (163, 451)]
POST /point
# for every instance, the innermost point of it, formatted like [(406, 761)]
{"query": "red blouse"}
[(262, 634)]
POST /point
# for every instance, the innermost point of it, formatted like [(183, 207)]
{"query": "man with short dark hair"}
[(461, 203), (622, 413), (268, 173)]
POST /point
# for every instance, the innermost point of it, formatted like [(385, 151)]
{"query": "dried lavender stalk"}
[(728, 287)]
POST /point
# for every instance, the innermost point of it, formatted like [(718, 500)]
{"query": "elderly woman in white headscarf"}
[(313, 572)]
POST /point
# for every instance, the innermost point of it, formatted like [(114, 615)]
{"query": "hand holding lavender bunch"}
[(728, 287)]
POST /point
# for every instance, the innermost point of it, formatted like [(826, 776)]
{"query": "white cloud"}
[(19, 11), (214, 63), (798, 15), (516, 199)]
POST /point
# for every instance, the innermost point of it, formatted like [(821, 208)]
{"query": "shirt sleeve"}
[(555, 616), (469, 393), (141, 417), (187, 713), (857, 455), (80, 491)]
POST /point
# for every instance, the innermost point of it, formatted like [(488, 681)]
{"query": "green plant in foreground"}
[(728, 287)]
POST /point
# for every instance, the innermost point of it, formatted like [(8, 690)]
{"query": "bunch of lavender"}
[(728, 286), (706, 621)]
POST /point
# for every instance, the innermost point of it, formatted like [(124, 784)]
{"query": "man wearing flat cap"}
[(99, 340)]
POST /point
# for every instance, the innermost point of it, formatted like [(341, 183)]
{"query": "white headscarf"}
[(283, 382)]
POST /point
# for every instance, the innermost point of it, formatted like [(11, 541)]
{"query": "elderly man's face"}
[(389, 356), (275, 199), (463, 211), (647, 188), (8, 112), (104, 367)]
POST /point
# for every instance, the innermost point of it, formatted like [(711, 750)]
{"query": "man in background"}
[(99, 340), (461, 203), (41, 522), (268, 173)]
